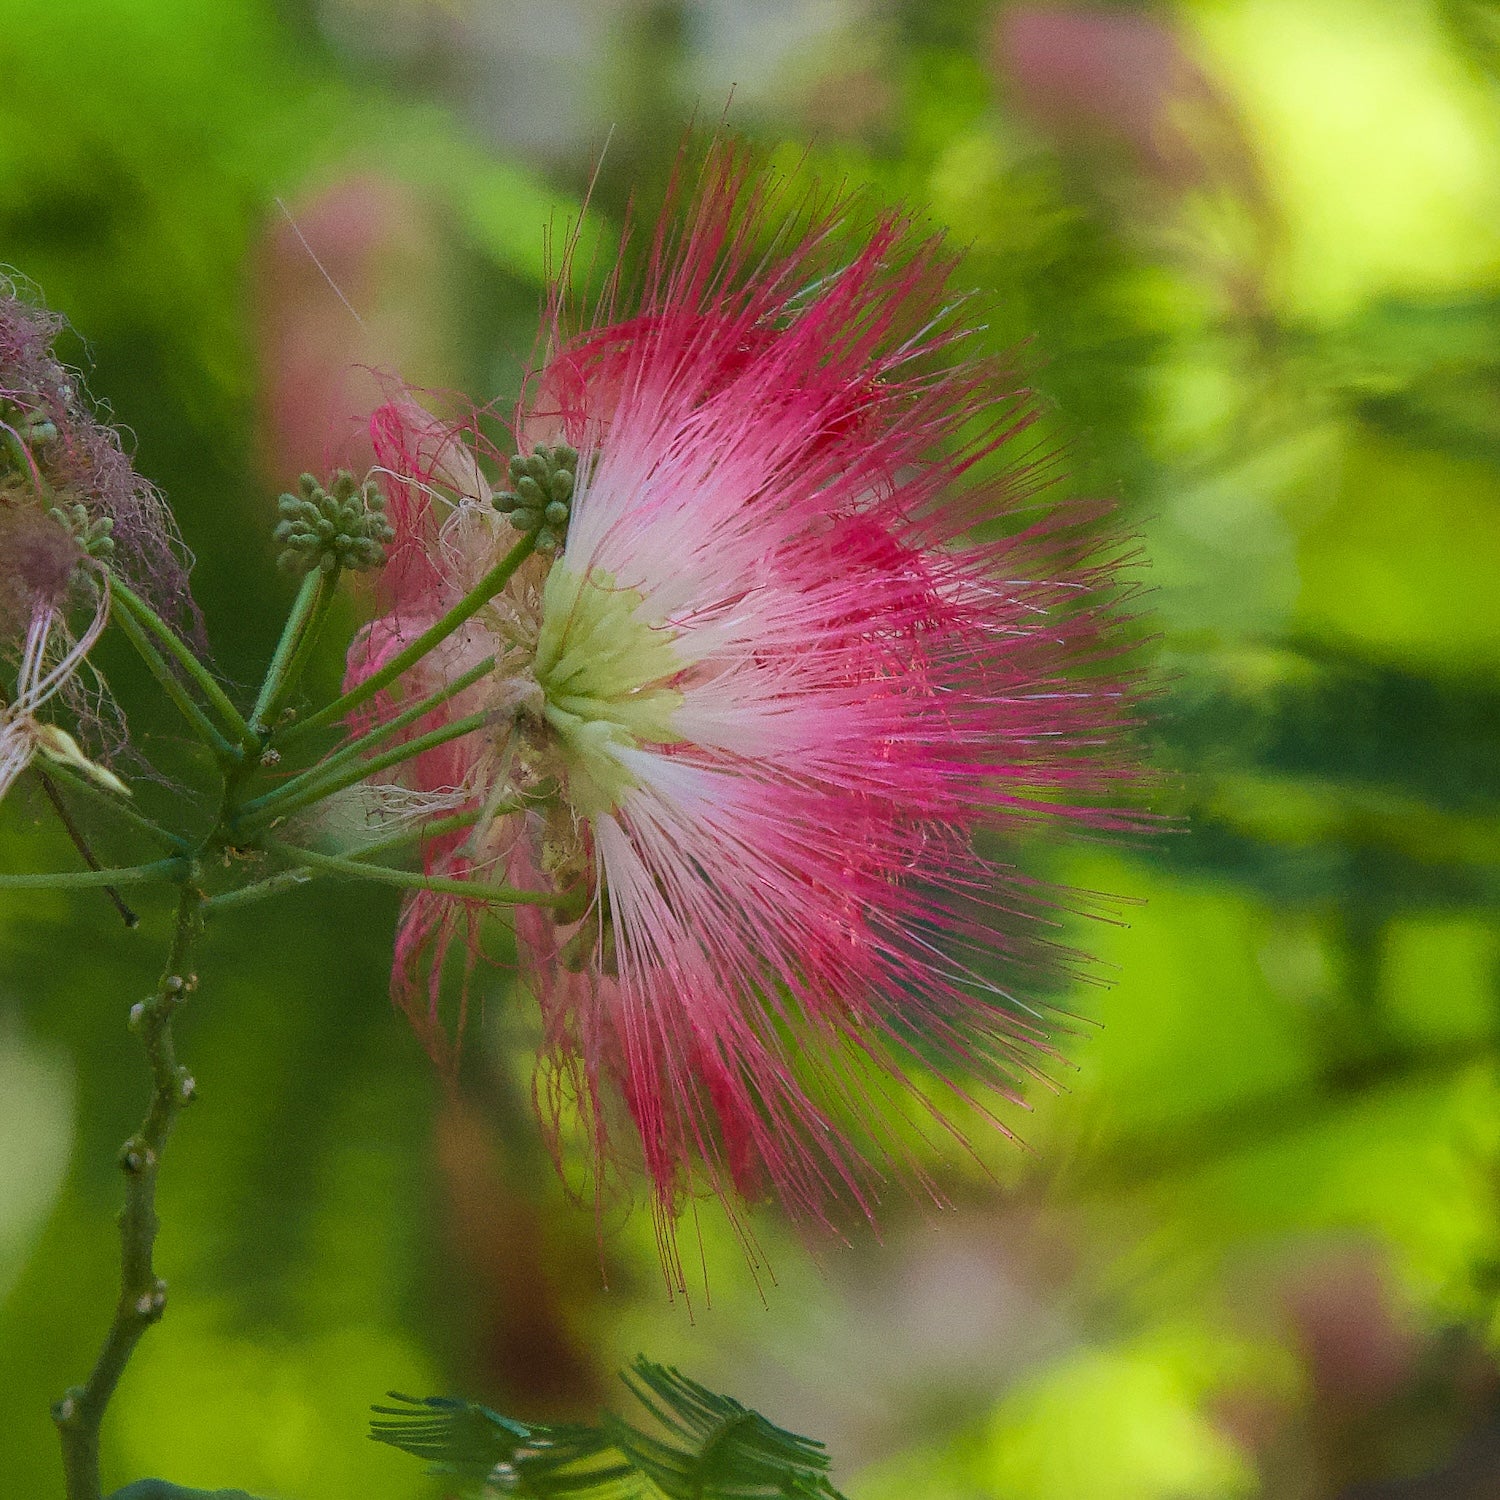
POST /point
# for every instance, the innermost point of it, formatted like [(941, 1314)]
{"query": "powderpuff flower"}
[(38, 559), (70, 502), (56, 454), (805, 640)]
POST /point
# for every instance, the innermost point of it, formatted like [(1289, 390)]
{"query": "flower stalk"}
[(259, 814), (152, 874), (82, 845), (298, 636), (462, 612), (224, 752), (471, 890), (140, 613), (120, 809), (300, 875), (347, 756)]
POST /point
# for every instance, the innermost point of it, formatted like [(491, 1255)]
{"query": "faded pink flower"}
[(39, 560), (808, 641), (55, 453), (69, 499)]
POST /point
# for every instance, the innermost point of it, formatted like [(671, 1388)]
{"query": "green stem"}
[(290, 655), (472, 890), (349, 754), (81, 842), (202, 725), (118, 807), (466, 608), (182, 654), (290, 880), (142, 1294), (258, 890), (161, 870), (303, 792)]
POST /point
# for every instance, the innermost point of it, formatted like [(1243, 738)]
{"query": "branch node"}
[(150, 1305), (136, 1156)]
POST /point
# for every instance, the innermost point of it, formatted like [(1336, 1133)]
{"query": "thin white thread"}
[(313, 256)]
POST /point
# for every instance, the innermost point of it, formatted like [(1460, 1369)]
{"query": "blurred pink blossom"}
[(346, 286), (1088, 76)]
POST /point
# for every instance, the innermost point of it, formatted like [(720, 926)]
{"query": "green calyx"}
[(95, 535), (342, 527), (542, 498)]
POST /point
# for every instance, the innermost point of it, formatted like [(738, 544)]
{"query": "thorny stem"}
[(142, 1293), (465, 610), (292, 649), (182, 654)]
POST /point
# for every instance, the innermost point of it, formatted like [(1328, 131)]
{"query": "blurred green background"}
[(1248, 251)]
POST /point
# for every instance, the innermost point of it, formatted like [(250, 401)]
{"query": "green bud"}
[(543, 483), (94, 536), (341, 527)]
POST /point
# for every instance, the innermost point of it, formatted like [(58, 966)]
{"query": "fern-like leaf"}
[(455, 1437), (726, 1452), (708, 1447)]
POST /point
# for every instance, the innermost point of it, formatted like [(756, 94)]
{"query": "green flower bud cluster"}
[(542, 498), (344, 527), (95, 536)]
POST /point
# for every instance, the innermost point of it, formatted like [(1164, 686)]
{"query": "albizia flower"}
[(69, 499), (805, 640), (39, 559), (56, 454)]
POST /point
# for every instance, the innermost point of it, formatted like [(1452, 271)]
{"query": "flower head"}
[(55, 452), (49, 659), (803, 640), (70, 502)]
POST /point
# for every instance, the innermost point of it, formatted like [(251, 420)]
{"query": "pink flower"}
[(39, 561), (69, 500), (810, 639), (55, 453)]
